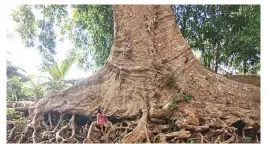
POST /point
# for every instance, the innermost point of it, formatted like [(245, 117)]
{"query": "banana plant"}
[(57, 74)]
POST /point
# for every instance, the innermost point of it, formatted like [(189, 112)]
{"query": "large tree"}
[(150, 77), (228, 36)]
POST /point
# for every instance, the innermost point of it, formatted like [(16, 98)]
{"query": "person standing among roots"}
[(101, 120)]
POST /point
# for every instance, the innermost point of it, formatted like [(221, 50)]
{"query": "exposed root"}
[(140, 133), (31, 125), (124, 132), (231, 139), (87, 139), (11, 135), (57, 126), (155, 130), (45, 125), (34, 134), (23, 134), (182, 134), (49, 120), (197, 128), (155, 120), (114, 129), (48, 132), (71, 125), (48, 141), (224, 133), (201, 137)]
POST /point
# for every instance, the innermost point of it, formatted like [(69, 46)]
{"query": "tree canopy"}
[(21, 86), (228, 36)]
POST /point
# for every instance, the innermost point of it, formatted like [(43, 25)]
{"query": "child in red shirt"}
[(101, 119)]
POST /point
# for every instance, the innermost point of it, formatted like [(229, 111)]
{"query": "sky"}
[(29, 59)]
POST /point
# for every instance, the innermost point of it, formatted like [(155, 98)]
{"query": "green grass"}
[(173, 104), (187, 98)]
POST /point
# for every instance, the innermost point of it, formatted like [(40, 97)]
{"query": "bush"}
[(15, 116)]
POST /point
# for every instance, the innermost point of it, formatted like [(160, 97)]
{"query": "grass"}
[(187, 98), (174, 103)]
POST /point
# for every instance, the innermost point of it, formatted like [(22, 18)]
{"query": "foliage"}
[(57, 74), (18, 90), (226, 35), (10, 113), (37, 88), (173, 104), (22, 87), (187, 98), (96, 24), (90, 28), (15, 116), (247, 46), (16, 71), (39, 32)]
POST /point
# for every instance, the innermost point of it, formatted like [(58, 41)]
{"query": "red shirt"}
[(100, 118)]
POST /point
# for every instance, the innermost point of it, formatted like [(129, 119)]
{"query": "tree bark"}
[(148, 48)]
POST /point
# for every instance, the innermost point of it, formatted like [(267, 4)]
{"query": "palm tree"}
[(57, 74)]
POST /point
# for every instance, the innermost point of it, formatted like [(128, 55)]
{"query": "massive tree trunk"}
[(150, 68)]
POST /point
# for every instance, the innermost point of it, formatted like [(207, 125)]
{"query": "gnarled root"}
[(46, 133), (140, 133), (33, 125), (12, 132), (216, 131), (224, 132), (196, 128), (71, 125), (23, 134), (87, 139), (182, 134), (93, 127), (114, 129)]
